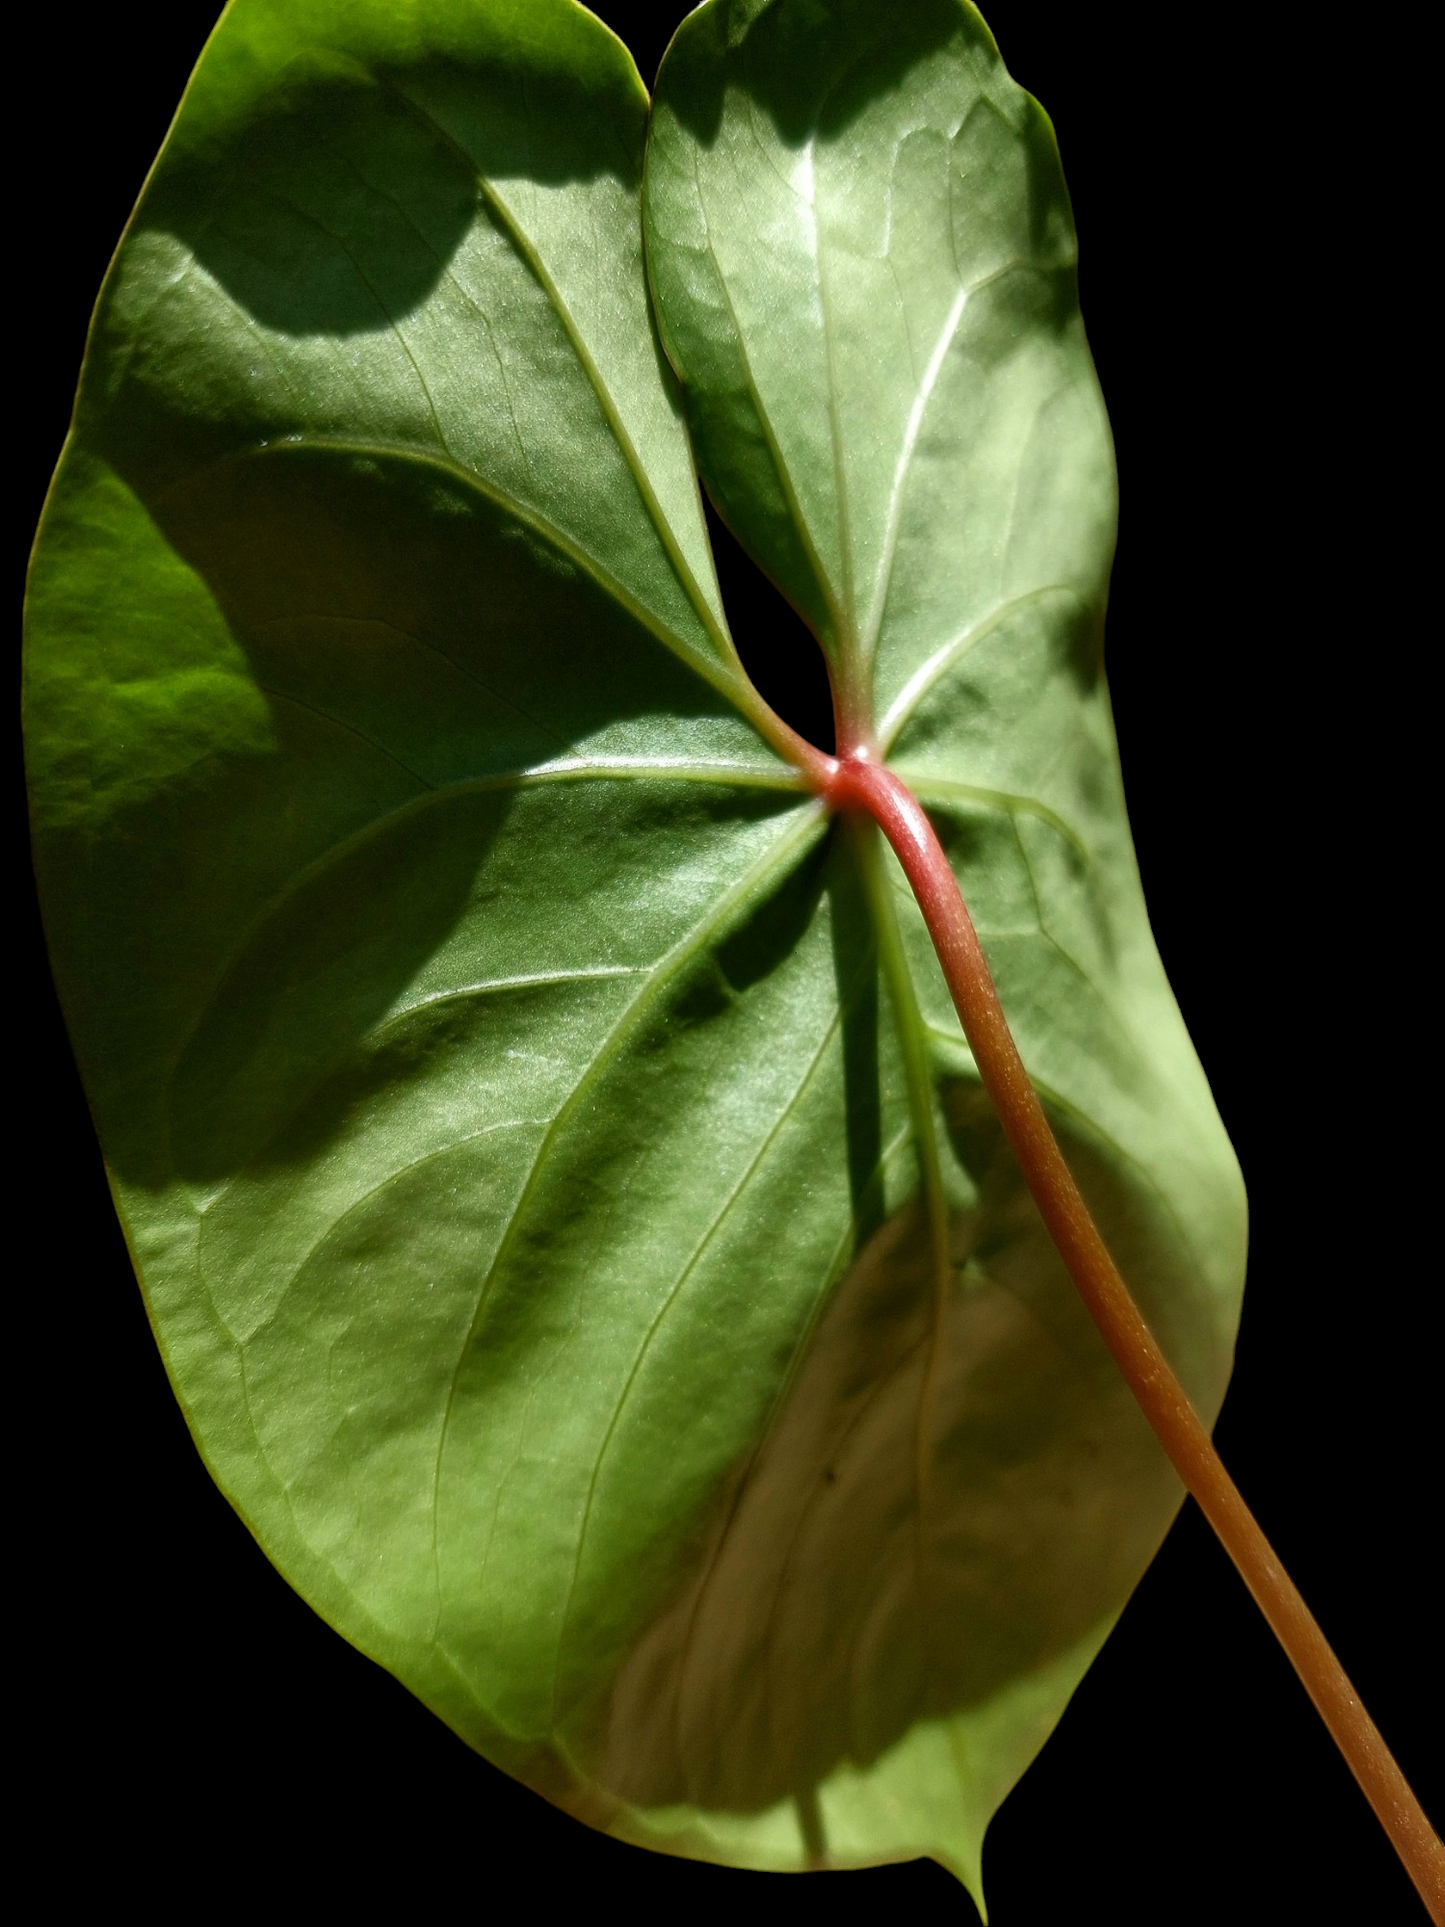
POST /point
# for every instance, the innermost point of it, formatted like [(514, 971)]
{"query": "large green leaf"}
[(565, 1201)]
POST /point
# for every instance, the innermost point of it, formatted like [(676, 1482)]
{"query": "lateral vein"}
[(908, 1020), (526, 248), (788, 846)]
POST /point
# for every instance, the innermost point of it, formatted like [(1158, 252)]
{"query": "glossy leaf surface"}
[(565, 1201)]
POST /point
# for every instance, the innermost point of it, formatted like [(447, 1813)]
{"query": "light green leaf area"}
[(863, 258), (564, 1198)]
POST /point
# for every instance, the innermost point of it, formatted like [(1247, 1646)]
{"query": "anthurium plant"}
[(707, 1253)]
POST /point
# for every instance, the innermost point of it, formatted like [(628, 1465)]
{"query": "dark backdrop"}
[(197, 1714)]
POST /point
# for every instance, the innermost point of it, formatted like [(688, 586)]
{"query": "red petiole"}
[(856, 781)]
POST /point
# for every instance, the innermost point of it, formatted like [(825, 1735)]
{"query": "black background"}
[(1262, 651)]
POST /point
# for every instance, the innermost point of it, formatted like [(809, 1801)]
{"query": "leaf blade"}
[(557, 1316), (881, 183)]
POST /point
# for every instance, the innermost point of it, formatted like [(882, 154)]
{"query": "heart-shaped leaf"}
[(566, 1203)]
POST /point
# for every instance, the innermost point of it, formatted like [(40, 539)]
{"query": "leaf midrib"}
[(788, 846), (919, 1081), (832, 1271), (685, 1272), (529, 253), (599, 770), (783, 474), (541, 525)]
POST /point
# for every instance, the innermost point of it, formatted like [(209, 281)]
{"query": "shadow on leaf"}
[(842, 1596)]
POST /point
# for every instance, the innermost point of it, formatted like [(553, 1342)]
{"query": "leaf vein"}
[(770, 438), (944, 790), (422, 642), (524, 246), (944, 659), (538, 980), (694, 1258), (541, 525), (350, 729), (788, 846)]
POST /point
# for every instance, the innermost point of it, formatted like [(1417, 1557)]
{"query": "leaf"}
[(566, 1205)]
